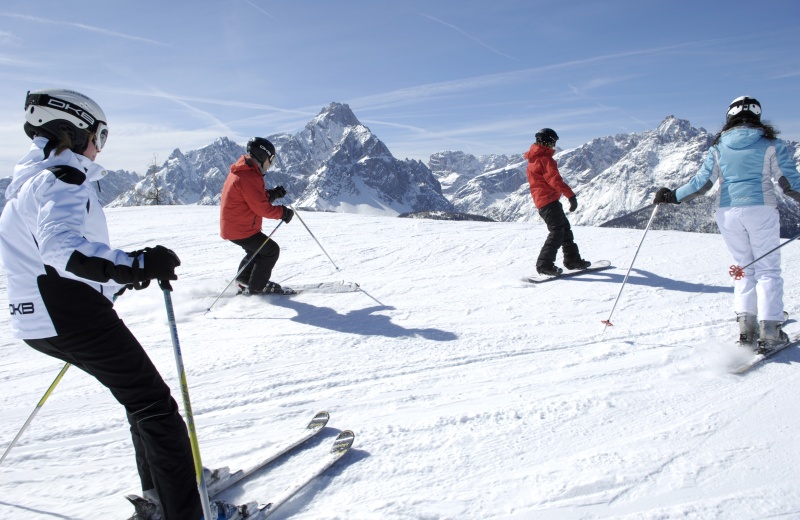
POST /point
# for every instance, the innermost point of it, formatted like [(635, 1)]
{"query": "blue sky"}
[(424, 76)]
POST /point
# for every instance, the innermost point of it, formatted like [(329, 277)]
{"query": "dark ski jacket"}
[(546, 183), (244, 202)]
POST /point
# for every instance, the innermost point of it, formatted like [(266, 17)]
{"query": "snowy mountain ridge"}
[(614, 178), (335, 163)]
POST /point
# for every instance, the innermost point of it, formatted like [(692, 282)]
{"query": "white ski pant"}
[(749, 232)]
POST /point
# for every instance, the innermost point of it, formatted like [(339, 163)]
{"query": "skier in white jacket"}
[(62, 278), (746, 157)]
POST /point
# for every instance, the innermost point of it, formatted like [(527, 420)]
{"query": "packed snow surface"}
[(473, 395)]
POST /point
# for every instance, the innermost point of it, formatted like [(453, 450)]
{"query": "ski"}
[(326, 287), (600, 265), (221, 479), (341, 445), (320, 287), (760, 359)]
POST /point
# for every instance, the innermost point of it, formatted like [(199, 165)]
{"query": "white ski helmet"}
[(58, 110), (744, 107)]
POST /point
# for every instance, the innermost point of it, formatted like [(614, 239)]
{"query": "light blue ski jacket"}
[(745, 163)]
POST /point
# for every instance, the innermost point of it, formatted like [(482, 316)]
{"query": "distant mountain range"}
[(337, 164)]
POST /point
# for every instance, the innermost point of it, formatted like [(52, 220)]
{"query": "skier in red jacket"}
[(547, 186), (245, 202)]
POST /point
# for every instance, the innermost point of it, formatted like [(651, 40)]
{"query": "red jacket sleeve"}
[(256, 198)]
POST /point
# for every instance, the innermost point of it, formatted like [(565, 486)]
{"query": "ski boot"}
[(224, 511), (770, 336), (144, 507), (748, 329), (215, 476)]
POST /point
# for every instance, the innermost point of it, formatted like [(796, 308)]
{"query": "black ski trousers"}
[(259, 271), (559, 236), (113, 356)]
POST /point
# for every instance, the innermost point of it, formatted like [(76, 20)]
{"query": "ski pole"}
[(244, 267), (738, 272), (36, 410), (297, 214), (202, 488), (608, 321)]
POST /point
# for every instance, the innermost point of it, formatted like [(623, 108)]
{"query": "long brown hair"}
[(770, 132)]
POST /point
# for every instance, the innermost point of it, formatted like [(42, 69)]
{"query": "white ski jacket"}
[(54, 246)]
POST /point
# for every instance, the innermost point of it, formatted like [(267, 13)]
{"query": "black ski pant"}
[(259, 271), (559, 236), (113, 356)]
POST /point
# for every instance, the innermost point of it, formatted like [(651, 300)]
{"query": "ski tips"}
[(343, 441), (319, 421)]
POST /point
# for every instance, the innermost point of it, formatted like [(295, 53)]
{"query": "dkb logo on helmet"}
[(66, 107)]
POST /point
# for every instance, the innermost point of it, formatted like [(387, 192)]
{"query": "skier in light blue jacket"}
[(746, 158)]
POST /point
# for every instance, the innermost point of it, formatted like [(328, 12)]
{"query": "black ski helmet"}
[(547, 136), (56, 112), (744, 107), (260, 149)]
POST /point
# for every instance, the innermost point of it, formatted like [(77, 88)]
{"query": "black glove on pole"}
[(160, 263), (665, 196), (287, 215), (276, 193)]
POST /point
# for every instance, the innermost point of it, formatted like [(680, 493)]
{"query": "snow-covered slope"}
[(472, 394)]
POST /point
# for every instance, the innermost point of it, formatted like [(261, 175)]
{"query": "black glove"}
[(276, 193), (159, 263), (573, 203), (288, 213), (665, 196)]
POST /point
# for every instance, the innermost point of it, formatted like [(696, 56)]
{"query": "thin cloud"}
[(254, 5), (471, 37), (430, 90), (82, 27)]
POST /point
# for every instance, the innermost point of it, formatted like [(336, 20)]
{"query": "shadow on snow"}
[(363, 322), (650, 279)]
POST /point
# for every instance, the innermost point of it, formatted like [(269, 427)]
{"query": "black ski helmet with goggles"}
[(53, 112), (261, 150), (744, 107), (547, 136)]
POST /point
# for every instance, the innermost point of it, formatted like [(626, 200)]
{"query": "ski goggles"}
[(100, 135), (744, 104)]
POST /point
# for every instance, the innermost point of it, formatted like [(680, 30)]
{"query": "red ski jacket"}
[(244, 202), (546, 183)]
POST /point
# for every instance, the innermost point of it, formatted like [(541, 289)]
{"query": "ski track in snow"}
[(472, 394)]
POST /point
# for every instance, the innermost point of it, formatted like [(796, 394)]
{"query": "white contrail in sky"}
[(465, 33)]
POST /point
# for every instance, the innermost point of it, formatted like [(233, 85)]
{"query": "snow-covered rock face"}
[(335, 163), (346, 168), (613, 177)]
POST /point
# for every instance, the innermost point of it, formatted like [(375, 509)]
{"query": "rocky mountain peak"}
[(674, 129), (338, 114)]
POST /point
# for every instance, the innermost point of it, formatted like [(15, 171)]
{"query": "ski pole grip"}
[(165, 285)]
